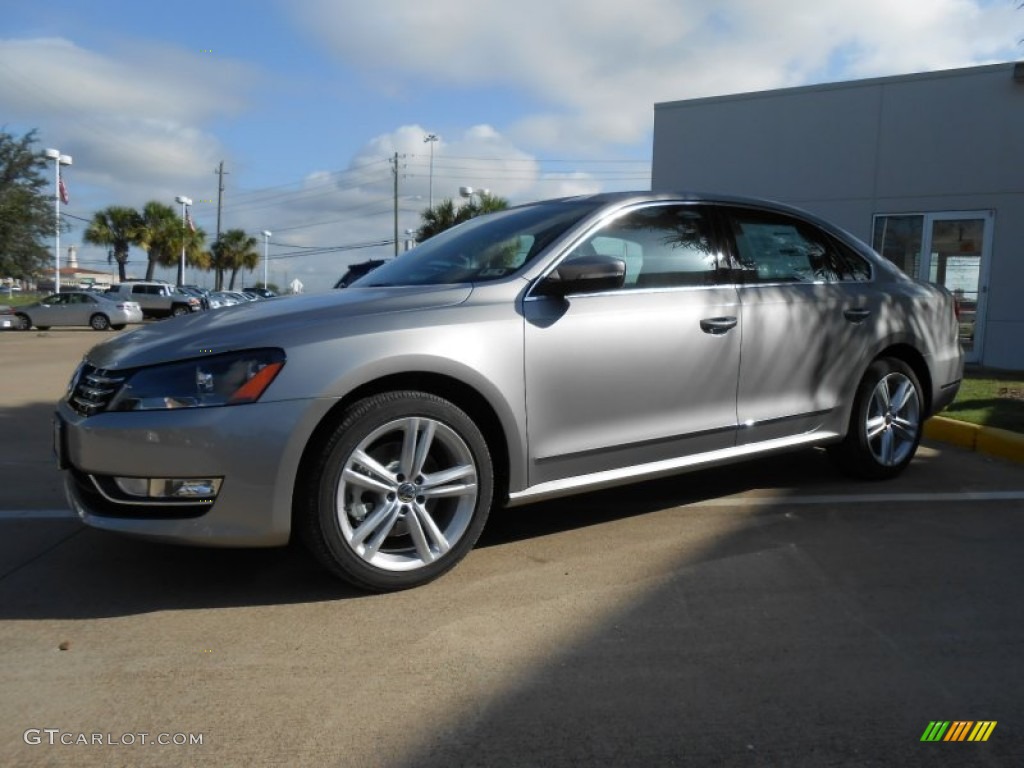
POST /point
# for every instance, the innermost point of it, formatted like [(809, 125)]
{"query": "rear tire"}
[(22, 323), (885, 425), (99, 322), (398, 493)]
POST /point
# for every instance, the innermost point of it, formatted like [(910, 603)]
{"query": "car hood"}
[(273, 322)]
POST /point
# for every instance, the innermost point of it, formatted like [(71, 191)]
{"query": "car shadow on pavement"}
[(60, 569), (69, 571)]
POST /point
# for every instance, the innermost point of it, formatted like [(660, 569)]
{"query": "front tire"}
[(179, 310), (886, 423), (22, 323), (399, 492)]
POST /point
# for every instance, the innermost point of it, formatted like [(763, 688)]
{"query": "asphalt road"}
[(770, 614)]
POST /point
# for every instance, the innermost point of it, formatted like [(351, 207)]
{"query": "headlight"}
[(231, 379)]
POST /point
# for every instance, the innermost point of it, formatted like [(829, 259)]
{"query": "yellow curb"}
[(1002, 443), (973, 437)]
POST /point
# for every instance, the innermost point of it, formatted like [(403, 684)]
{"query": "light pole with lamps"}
[(468, 192), (266, 244), (185, 202), (58, 161), (431, 139)]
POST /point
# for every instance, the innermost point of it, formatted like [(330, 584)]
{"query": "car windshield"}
[(482, 249)]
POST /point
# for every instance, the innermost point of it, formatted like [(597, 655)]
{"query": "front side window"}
[(662, 246), (774, 248)]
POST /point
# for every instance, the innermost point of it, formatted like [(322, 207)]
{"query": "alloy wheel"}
[(893, 419), (406, 494)]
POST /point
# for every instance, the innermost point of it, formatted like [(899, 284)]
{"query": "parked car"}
[(218, 299), (262, 293), (8, 320), (156, 299), (95, 310), (536, 352), (200, 293), (355, 271)]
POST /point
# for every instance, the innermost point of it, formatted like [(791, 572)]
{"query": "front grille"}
[(94, 389)]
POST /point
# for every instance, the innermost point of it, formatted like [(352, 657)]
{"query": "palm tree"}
[(445, 215), (437, 219), (235, 250), (485, 203), (158, 233), (114, 226)]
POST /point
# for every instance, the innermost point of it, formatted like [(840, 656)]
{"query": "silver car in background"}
[(552, 348), (70, 308)]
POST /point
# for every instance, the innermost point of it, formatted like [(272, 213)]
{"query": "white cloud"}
[(337, 208), (53, 75), (130, 116), (597, 68)]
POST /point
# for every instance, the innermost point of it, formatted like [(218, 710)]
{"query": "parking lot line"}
[(859, 498)]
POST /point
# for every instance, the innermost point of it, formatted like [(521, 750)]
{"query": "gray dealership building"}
[(929, 168)]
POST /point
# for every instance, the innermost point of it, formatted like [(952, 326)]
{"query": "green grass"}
[(990, 398), (20, 299)]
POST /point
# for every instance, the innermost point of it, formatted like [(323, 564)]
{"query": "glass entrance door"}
[(950, 249)]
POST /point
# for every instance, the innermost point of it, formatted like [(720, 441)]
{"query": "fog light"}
[(169, 487), (133, 486)]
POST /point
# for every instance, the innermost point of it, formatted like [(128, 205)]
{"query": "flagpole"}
[(58, 161)]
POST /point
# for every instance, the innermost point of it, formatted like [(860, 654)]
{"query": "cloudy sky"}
[(306, 101)]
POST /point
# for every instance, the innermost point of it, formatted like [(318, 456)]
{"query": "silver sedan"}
[(541, 351), (78, 308)]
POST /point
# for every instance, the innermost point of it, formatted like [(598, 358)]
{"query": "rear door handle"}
[(716, 326), (856, 315)]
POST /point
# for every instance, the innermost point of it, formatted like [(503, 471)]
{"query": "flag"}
[(61, 189), (188, 220)]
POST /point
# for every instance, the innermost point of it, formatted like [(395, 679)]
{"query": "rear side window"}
[(775, 248)]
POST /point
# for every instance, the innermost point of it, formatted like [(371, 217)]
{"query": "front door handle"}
[(858, 315), (716, 326)]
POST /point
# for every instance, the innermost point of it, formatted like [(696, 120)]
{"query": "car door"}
[(807, 311), (78, 309), (50, 311), (642, 374)]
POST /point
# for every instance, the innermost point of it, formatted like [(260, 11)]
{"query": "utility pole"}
[(220, 192), (394, 170)]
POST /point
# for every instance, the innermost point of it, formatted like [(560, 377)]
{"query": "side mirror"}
[(584, 274)]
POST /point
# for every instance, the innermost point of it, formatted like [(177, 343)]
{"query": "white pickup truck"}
[(157, 299)]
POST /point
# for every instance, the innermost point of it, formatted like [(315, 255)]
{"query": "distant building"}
[(928, 168)]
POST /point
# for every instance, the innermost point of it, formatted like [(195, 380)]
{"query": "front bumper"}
[(255, 448)]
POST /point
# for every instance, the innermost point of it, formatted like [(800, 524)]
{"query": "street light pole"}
[(266, 246), (431, 139), (468, 192), (58, 161), (185, 202)]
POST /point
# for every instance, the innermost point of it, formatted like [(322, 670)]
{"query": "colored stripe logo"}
[(958, 730)]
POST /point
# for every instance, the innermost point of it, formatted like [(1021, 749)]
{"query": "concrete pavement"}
[(772, 613)]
